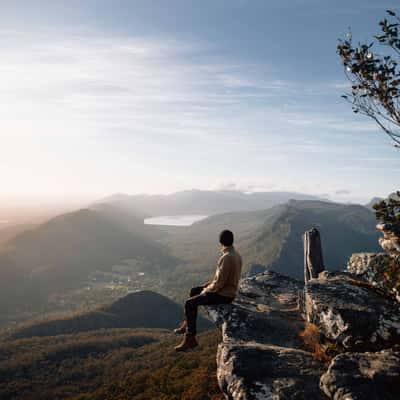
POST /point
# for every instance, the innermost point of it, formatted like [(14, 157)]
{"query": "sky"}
[(99, 97)]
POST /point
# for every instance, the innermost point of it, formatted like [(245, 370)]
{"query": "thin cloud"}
[(93, 84), (170, 119), (249, 186), (343, 192)]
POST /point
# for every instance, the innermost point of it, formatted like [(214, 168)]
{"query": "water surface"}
[(174, 220)]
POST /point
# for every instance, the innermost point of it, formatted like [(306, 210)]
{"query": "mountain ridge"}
[(272, 237), (141, 309), (195, 201)]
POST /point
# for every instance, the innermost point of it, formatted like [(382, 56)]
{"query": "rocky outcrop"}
[(370, 266), (250, 371), (390, 242), (351, 313), (261, 355), (376, 268), (367, 376), (280, 334)]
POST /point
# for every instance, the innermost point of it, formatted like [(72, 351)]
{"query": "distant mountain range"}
[(375, 200), (273, 237), (345, 229), (60, 254), (142, 309), (206, 202)]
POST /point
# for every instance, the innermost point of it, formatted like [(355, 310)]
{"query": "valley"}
[(91, 257)]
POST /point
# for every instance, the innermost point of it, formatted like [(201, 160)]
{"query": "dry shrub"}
[(311, 338)]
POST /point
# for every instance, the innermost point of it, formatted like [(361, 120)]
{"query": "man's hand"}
[(204, 289)]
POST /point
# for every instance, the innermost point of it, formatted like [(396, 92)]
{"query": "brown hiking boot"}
[(189, 342), (181, 329)]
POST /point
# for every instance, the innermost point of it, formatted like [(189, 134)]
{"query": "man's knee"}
[(190, 304), (194, 291)]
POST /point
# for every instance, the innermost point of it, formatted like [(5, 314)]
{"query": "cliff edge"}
[(336, 336)]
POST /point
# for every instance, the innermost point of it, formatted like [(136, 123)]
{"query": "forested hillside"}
[(116, 364), (142, 309), (62, 253)]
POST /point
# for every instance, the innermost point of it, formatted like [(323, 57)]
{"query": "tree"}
[(374, 77), (388, 211), (375, 92), (375, 89)]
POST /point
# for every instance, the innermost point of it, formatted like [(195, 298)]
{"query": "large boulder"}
[(251, 371), (366, 376), (368, 265), (352, 312), (265, 311), (261, 355)]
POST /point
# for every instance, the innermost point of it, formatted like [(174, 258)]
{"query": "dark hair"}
[(226, 238)]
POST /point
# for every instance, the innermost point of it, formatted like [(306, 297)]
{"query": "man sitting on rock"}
[(221, 290)]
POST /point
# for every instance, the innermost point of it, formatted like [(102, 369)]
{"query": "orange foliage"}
[(310, 336)]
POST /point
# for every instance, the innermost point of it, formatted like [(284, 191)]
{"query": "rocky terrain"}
[(262, 354), (335, 336)]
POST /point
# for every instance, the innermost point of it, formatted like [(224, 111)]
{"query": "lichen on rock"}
[(351, 313), (276, 329), (261, 355), (379, 270), (366, 376)]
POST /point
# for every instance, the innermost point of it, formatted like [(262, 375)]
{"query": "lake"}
[(174, 220)]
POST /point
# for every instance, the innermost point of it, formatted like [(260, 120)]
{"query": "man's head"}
[(226, 238)]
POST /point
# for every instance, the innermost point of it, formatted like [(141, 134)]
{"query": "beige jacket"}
[(227, 274)]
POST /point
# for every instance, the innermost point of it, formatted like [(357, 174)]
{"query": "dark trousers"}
[(196, 299)]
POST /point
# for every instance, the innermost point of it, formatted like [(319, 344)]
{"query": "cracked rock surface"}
[(261, 355), (374, 267), (351, 312), (366, 376)]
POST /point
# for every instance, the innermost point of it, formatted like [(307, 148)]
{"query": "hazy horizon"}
[(73, 200)]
